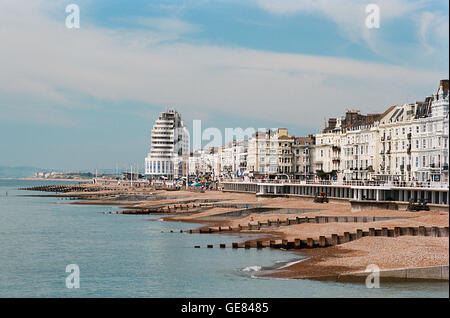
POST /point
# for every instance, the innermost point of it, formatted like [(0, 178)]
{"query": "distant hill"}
[(18, 172)]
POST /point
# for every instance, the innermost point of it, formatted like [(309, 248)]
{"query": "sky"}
[(86, 98)]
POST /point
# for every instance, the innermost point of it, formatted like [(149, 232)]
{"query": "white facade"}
[(233, 158), (360, 152), (205, 162), (407, 143), (328, 151), (395, 142), (430, 149), (169, 147)]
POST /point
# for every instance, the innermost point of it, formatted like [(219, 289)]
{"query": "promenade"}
[(357, 192)]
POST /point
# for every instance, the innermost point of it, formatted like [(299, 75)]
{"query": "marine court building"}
[(169, 147)]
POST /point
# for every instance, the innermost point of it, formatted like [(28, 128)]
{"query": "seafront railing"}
[(359, 183)]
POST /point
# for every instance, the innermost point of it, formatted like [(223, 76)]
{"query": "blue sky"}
[(87, 98)]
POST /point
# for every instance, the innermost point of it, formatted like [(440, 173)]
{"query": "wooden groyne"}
[(298, 220), (195, 205), (67, 188), (335, 239)]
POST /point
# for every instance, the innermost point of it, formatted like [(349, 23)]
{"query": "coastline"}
[(216, 209)]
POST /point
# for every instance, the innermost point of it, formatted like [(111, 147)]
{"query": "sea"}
[(45, 241)]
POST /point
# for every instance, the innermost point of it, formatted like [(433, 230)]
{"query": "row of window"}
[(160, 167)]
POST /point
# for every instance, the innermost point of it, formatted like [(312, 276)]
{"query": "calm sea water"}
[(137, 256)]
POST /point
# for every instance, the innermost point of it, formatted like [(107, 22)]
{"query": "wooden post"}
[(347, 237), (334, 239), (434, 231), (322, 241), (359, 233), (422, 231)]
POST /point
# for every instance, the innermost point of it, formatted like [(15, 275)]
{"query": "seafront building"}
[(262, 160), (395, 131), (430, 149), (404, 146), (169, 151), (346, 149), (303, 149)]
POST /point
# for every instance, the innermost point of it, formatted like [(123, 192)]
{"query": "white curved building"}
[(169, 147)]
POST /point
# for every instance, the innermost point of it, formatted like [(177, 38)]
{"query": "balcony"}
[(388, 137), (388, 152), (382, 138), (382, 151), (336, 148)]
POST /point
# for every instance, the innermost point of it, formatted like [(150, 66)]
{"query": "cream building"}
[(286, 156), (360, 151), (262, 159), (346, 149)]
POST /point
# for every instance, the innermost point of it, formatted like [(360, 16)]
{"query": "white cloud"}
[(48, 63), (433, 31), (350, 16)]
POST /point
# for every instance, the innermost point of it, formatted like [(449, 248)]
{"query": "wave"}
[(292, 263), (254, 268)]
